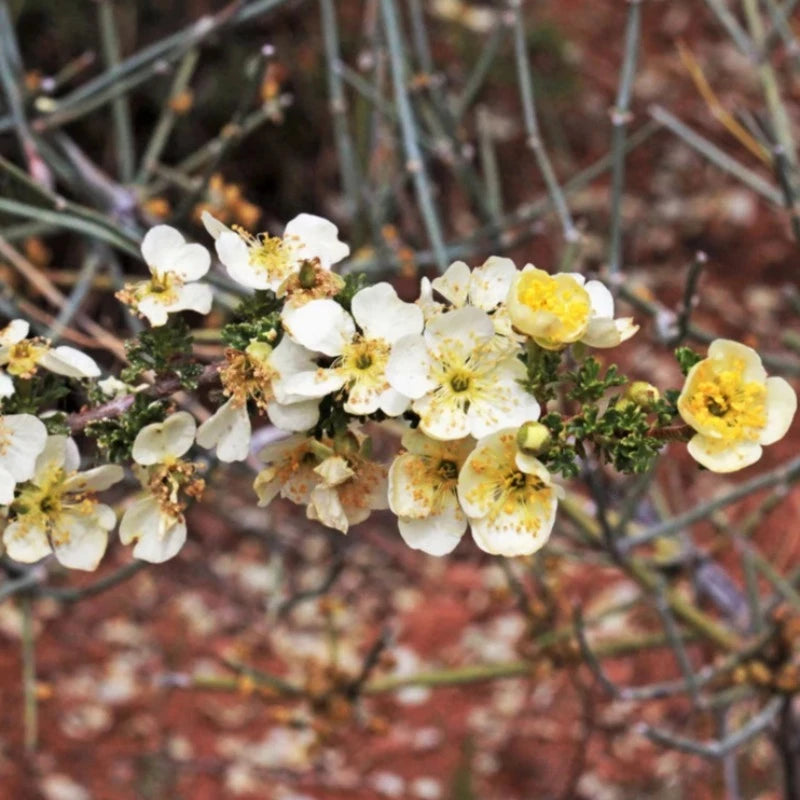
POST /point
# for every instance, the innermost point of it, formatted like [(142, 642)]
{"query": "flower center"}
[(24, 357), (565, 298), (271, 255), (725, 404), (364, 361), (460, 381), (447, 470)]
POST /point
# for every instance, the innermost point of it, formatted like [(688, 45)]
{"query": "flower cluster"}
[(472, 376)]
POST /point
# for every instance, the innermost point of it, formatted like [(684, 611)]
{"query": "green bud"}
[(644, 394), (308, 275), (346, 443), (259, 351), (533, 438)]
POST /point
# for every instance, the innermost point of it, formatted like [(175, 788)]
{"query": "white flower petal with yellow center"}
[(461, 383), (174, 266), (158, 535), (22, 439), (228, 430), (163, 442), (56, 511), (361, 357), (265, 262), (422, 492), (508, 496), (734, 407)]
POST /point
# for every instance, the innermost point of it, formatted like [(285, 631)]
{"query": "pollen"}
[(272, 255), (24, 357), (725, 405), (564, 298)]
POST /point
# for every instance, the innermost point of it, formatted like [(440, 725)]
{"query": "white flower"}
[(508, 496), (22, 439), (338, 489), (175, 266), (558, 310), (422, 492), (258, 374), (56, 511), (155, 521), (264, 261), (361, 355), (462, 384), (21, 357), (734, 407), (486, 287)]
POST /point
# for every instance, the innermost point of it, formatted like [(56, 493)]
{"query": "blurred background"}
[(409, 124)]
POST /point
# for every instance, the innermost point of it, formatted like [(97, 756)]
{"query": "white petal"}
[(316, 383), (14, 332), (191, 297), (87, 538), (316, 237), (454, 284), (70, 362), (505, 536), (214, 227), (320, 325), (463, 329), (190, 262), (728, 350), (411, 494), (300, 416), (436, 535), (601, 298), (441, 419), (381, 314), (158, 537), (57, 451), (22, 439), (6, 385), (408, 368), (490, 283), (25, 543), (228, 429), (233, 252), (393, 403), (162, 441), (326, 507), (781, 403), (153, 310), (95, 480), (158, 549), (333, 471), (7, 484), (720, 456), (158, 245)]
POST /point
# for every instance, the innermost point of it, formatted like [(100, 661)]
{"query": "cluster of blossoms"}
[(467, 371)]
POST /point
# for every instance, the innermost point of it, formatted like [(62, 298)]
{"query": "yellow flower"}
[(734, 407), (558, 310)]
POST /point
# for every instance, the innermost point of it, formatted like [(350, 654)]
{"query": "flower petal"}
[(162, 441), (781, 404), (503, 535), (490, 283), (320, 325), (300, 416), (436, 535), (601, 298), (228, 430), (70, 362), (95, 480), (316, 237), (381, 314), (214, 227), (453, 284), (26, 543), (408, 368), (720, 456), (728, 350), (190, 262), (86, 538), (22, 439), (464, 330), (158, 246), (14, 332)]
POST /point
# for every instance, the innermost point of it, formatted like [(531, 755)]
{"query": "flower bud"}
[(533, 438), (644, 394), (258, 351), (308, 274)]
